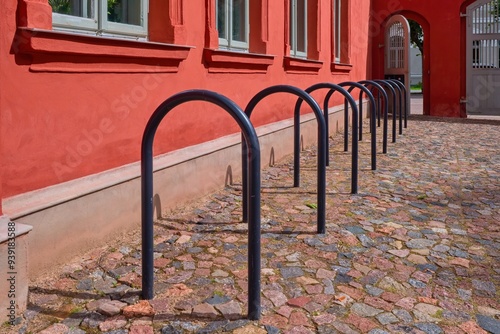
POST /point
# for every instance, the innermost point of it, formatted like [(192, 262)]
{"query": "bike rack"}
[(406, 112), (393, 91), (382, 92), (253, 187), (322, 148), (311, 89), (332, 89), (400, 99), (373, 115), (379, 103)]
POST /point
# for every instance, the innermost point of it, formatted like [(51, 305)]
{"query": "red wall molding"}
[(55, 51)]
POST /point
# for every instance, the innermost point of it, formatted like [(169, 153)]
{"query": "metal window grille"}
[(396, 54), (485, 33)]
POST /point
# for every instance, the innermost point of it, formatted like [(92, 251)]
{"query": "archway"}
[(444, 27), (423, 101)]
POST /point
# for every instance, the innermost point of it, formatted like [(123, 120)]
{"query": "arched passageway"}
[(420, 102), (443, 72)]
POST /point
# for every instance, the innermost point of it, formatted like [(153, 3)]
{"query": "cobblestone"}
[(417, 250)]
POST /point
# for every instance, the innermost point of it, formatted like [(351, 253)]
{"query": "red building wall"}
[(72, 106), (444, 49)]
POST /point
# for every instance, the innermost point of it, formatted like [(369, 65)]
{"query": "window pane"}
[(222, 18), (239, 21), (125, 11), (301, 25), (81, 8)]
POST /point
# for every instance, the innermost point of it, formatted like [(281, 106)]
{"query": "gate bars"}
[(251, 162)]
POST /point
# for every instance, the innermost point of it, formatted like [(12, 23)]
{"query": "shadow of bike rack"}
[(252, 158), (394, 100), (373, 115), (405, 94), (380, 91), (322, 139)]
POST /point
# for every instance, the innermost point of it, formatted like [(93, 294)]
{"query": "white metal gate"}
[(483, 58), (397, 51)]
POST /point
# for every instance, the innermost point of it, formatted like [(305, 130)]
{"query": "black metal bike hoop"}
[(332, 89), (405, 94), (382, 92), (253, 158), (394, 100), (373, 110), (400, 100), (321, 168)]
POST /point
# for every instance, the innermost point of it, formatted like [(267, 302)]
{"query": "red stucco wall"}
[(64, 116), (444, 54)]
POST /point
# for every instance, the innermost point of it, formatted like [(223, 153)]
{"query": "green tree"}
[(64, 7), (417, 35), (60, 6), (495, 11), (114, 14)]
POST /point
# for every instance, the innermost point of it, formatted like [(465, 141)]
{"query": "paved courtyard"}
[(416, 251)]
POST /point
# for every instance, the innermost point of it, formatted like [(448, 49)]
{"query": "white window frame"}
[(229, 43), (99, 24), (293, 30), (337, 26)]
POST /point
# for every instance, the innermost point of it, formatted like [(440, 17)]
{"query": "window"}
[(101, 17), (341, 46), (298, 28), (232, 24), (337, 29)]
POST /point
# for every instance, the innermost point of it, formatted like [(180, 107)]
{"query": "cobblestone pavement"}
[(416, 251)]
